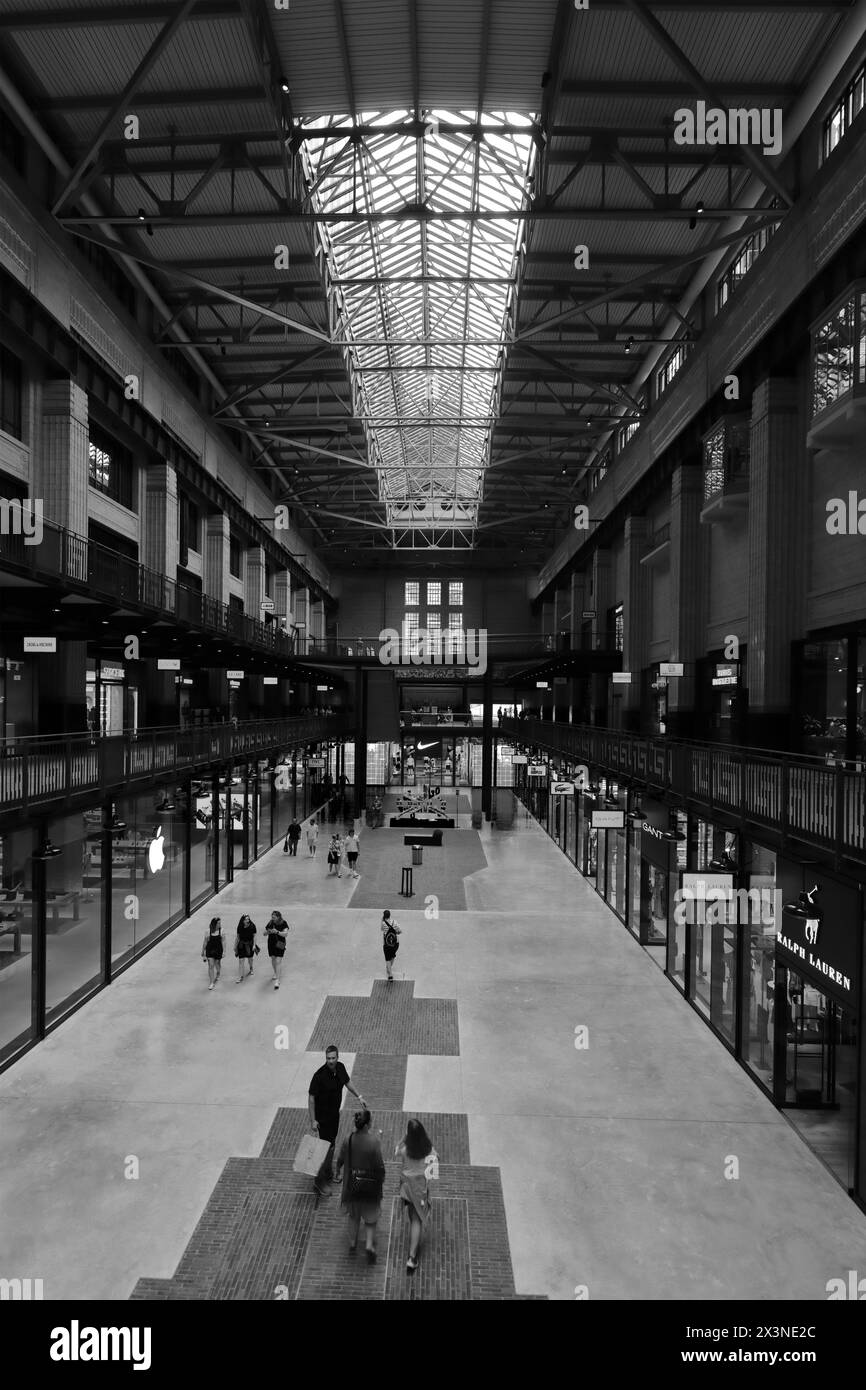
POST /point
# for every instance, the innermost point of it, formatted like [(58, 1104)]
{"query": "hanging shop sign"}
[(111, 673), (168, 663), (562, 789), (608, 820), (671, 668), (622, 677), (588, 613), (822, 945), (268, 605), (234, 675), (537, 770), (271, 680), (519, 758), (314, 762), (727, 673), (40, 644)]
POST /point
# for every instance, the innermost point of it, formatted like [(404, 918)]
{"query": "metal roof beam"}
[(698, 84), (92, 16), (217, 290), (118, 104), (590, 87), (411, 213)]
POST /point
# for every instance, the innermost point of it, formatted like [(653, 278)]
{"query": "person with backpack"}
[(363, 1172), (212, 950), (390, 944), (277, 930), (420, 1164), (293, 835)]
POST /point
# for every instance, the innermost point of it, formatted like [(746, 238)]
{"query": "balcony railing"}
[(501, 647), (61, 556), (726, 460), (839, 351), (797, 798), (35, 771)]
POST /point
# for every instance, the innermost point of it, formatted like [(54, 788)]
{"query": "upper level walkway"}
[(147, 1145), (793, 797), (37, 771)]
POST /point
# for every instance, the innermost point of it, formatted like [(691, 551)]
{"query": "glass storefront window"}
[(16, 938), (202, 842), (758, 966), (821, 1073), (147, 870), (616, 863), (634, 879), (73, 914), (823, 694)]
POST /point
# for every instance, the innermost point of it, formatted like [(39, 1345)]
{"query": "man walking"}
[(352, 847), (293, 835), (324, 1101)]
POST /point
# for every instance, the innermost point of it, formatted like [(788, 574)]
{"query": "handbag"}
[(363, 1185), (286, 845)]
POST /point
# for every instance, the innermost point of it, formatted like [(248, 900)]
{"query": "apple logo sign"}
[(155, 853)]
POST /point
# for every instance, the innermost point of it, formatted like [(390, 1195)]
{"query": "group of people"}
[(360, 1166), (245, 948), (293, 835), (351, 847)]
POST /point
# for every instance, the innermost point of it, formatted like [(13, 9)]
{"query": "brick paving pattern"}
[(264, 1234)]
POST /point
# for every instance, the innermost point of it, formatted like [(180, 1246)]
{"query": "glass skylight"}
[(423, 307)]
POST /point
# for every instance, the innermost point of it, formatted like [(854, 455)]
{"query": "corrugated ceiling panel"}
[(757, 47), (380, 54), (613, 47), (206, 54), (75, 62), (308, 44)]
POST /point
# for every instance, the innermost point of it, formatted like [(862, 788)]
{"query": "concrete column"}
[(61, 469), (215, 578), (636, 618), (689, 556), (282, 594), (254, 581), (778, 469), (601, 601), (160, 549)]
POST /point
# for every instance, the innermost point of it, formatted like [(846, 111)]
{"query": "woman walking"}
[(212, 950), (244, 945), (312, 837), (420, 1163), (363, 1169), (277, 930), (390, 944), (335, 855)]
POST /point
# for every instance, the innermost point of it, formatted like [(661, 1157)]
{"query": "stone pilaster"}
[(160, 550), (254, 581), (688, 594), (61, 468), (777, 492), (636, 617), (215, 577)]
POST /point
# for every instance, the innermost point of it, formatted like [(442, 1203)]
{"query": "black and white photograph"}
[(433, 587)]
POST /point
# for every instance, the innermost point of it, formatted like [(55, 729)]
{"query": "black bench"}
[(433, 837)]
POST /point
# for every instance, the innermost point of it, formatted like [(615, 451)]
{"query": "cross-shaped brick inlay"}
[(263, 1235), (390, 1022)]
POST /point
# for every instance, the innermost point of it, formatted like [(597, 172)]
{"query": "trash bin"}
[(417, 853)]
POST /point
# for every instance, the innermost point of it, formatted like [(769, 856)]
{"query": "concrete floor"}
[(612, 1157)]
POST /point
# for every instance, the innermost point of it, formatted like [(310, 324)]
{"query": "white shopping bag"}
[(311, 1155)]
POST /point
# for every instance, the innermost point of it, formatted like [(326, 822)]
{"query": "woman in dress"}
[(277, 930), (420, 1164), (312, 836), (212, 950), (361, 1156), (244, 945)]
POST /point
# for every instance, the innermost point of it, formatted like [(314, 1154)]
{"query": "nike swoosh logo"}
[(422, 746)]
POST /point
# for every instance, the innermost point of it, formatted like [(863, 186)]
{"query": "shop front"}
[(817, 1018)]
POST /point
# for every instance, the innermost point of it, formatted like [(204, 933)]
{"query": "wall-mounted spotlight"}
[(693, 220)]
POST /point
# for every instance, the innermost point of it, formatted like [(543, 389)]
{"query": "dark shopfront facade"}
[(71, 922), (783, 992)]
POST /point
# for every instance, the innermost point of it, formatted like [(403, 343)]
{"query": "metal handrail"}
[(75, 560), (37, 771), (797, 797)]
